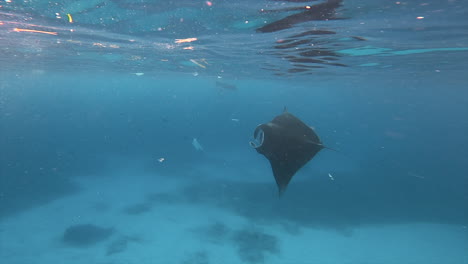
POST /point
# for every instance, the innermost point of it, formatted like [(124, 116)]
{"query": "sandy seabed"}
[(150, 227)]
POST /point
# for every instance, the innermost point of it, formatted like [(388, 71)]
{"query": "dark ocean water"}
[(127, 87)]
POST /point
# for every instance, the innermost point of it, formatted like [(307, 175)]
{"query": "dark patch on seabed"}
[(136, 209), (253, 245), (355, 199), (120, 244), (199, 257), (21, 190), (84, 235), (29, 179)]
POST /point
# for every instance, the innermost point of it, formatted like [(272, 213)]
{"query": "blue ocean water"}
[(125, 129)]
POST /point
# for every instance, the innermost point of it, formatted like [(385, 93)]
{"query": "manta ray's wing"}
[(288, 144)]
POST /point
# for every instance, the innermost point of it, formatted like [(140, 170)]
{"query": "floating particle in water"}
[(186, 40), (70, 18), (197, 145)]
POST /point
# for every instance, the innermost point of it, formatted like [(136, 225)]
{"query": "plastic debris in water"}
[(70, 18), (186, 40), (199, 63), (197, 145), (34, 31)]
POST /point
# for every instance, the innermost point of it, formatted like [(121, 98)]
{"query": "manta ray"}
[(288, 143)]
